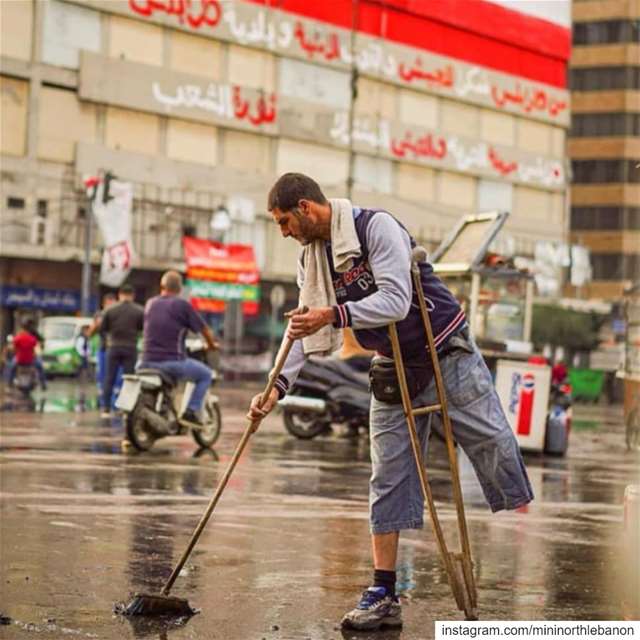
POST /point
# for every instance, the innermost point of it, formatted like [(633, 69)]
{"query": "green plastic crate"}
[(586, 384)]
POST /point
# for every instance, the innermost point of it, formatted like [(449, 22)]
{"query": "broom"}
[(163, 604)]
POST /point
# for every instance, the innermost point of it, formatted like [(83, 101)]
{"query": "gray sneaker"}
[(375, 610)]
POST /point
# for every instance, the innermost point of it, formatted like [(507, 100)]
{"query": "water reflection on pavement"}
[(85, 524)]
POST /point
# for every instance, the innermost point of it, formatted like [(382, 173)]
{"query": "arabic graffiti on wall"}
[(315, 41), (194, 13), (415, 144), (224, 101)]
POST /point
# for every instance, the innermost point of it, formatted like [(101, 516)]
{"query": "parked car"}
[(60, 334)]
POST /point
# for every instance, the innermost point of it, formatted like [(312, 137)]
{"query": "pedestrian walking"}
[(101, 354), (121, 324), (83, 349), (355, 271)]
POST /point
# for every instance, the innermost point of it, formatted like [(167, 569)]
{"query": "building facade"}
[(429, 112), (604, 142)]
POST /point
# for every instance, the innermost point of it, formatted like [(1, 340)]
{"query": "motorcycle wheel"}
[(140, 436), (304, 425), (209, 434)]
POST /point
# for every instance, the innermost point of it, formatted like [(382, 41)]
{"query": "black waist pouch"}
[(383, 379)]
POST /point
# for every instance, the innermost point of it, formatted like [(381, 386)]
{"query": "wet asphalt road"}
[(84, 524)]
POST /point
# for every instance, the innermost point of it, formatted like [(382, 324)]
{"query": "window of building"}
[(495, 196), (15, 203), (15, 30), (605, 124), (67, 29), (14, 98), (135, 40), (615, 266), (373, 174), (605, 218), (62, 105), (594, 171), (605, 78), (606, 31), (314, 84), (632, 267), (607, 266)]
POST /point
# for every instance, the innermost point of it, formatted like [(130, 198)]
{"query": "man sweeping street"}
[(355, 271)]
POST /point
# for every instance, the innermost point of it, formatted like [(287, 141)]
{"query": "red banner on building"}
[(224, 263), (205, 254)]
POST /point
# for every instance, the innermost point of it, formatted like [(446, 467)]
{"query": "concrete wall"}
[(16, 28), (13, 116), (56, 142)]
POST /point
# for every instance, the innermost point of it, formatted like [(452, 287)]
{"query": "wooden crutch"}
[(459, 566)]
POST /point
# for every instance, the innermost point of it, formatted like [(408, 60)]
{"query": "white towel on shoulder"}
[(317, 289)]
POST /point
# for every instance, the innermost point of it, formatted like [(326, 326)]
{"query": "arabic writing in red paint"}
[(527, 100), (330, 49), (209, 13), (424, 147), (263, 112), (444, 77), (501, 166)]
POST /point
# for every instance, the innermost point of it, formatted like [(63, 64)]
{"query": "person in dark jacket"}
[(121, 324), (374, 290)]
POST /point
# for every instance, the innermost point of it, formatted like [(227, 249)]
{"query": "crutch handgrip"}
[(418, 255)]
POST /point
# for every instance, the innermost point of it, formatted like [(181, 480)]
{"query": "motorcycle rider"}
[(167, 318), (24, 348)]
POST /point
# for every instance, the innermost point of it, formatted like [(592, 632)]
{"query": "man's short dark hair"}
[(126, 290), (290, 188)]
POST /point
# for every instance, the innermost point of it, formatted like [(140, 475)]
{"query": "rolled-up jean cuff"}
[(499, 506), (389, 527)]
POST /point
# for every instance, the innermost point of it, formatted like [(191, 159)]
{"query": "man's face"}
[(296, 223)]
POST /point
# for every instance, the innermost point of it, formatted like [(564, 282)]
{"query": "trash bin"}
[(586, 384)]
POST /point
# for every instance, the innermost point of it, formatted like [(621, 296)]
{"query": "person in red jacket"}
[(24, 349)]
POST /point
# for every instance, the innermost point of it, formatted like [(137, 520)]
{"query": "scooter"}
[(25, 379), (556, 440), (328, 391), (154, 403)]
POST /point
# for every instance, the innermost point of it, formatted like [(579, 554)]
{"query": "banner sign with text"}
[(223, 290), (218, 272), (37, 298)]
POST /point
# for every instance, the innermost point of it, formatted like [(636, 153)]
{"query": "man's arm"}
[(95, 325), (290, 370), (209, 338), (104, 323), (196, 323)]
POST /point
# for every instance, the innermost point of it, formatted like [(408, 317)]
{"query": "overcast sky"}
[(558, 11)]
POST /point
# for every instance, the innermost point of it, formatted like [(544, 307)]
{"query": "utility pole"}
[(353, 96), (91, 186)]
